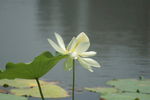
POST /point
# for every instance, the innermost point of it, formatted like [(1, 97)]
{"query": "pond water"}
[(119, 32)]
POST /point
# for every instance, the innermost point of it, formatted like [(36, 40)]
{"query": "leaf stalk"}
[(40, 89), (73, 81)]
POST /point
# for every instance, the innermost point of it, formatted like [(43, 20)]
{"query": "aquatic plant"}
[(124, 89), (76, 50), (34, 70), (29, 88)]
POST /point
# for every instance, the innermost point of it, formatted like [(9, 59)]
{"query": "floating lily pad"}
[(36, 69), (126, 96), (132, 85), (102, 90), (11, 97), (49, 91), (21, 83)]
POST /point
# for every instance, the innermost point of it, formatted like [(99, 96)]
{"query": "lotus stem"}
[(73, 81), (40, 89)]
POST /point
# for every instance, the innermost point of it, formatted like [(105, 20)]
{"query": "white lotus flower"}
[(76, 49)]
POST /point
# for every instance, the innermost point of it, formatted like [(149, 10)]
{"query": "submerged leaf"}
[(40, 66), (49, 91), (126, 96), (102, 90), (124, 89), (11, 97), (131, 85), (21, 83)]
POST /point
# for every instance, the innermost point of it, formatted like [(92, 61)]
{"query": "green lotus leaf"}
[(131, 85), (36, 69), (11, 97), (102, 90), (21, 83), (126, 96), (49, 91)]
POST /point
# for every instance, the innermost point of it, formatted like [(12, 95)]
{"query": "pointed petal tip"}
[(99, 66), (82, 37), (88, 54), (83, 33), (56, 34), (60, 41), (90, 70), (49, 40)]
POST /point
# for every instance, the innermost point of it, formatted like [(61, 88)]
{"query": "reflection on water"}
[(50, 16), (119, 32)]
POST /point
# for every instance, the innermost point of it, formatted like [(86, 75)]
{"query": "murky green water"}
[(119, 31)]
